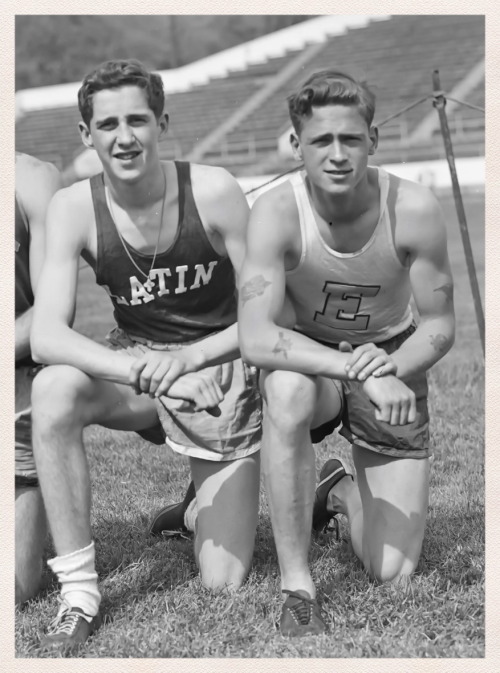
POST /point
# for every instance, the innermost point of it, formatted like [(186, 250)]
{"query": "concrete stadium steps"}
[(50, 134), (216, 101), (397, 57), (195, 113)]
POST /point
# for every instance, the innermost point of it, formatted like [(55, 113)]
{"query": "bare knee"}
[(220, 569), (227, 575), (57, 395), (386, 563), (290, 398)]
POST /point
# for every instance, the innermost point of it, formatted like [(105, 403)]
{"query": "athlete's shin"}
[(30, 539), (61, 465), (289, 473)]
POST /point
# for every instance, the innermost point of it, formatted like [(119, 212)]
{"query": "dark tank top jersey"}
[(24, 293), (191, 290)]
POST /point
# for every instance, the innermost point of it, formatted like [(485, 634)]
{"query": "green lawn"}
[(152, 598)]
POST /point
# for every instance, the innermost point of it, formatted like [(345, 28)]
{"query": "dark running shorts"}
[(360, 427), (25, 470)]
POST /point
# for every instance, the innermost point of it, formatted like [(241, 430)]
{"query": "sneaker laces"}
[(66, 619), (302, 609)]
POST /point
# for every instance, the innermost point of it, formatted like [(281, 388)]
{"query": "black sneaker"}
[(331, 473), (300, 615), (71, 627), (169, 521)]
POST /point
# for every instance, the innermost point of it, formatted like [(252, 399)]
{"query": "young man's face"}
[(124, 132), (334, 144)]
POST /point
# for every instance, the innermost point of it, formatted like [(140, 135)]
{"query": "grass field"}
[(153, 600)]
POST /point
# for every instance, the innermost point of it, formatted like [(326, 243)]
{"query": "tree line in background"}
[(58, 49)]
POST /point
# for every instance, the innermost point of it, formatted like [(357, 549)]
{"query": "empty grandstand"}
[(230, 109)]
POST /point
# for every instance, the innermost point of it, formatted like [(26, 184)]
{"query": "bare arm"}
[(23, 329), (36, 183), (432, 287), (228, 213), (53, 341), (263, 341)]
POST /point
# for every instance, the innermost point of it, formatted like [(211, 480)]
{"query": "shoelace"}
[(65, 621), (303, 609)]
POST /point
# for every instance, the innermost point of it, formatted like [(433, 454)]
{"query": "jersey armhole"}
[(391, 216), (301, 201), (24, 217)]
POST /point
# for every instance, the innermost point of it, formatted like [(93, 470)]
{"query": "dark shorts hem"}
[(155, 435), (391, 452), (318, 434), (26, 482)]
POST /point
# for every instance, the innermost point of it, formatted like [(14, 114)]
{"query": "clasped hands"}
[(394, 402), (173, 374)]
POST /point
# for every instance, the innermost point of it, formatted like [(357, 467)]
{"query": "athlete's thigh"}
[(329, 401), (118, 407), (64, 392), (227, 496), (394, 494)]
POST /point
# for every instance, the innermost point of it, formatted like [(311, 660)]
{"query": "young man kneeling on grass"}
[(164, 239), (349, 244), (36, 183)]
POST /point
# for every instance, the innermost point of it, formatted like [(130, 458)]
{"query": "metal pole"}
[(175, 52), (439, 103)]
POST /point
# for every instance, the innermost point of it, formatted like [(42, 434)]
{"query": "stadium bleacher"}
[(397, 57)]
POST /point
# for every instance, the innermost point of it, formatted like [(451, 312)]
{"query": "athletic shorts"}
[(234, 434), (360, 427), (25, 470)]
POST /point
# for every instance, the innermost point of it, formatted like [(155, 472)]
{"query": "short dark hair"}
[(330, 87), (117, 73)]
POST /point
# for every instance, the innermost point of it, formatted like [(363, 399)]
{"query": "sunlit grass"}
[(155, 605)]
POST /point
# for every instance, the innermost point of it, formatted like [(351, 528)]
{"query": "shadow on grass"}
[(454, 547), (130, 562)]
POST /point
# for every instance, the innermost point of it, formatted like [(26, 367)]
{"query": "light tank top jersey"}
[(358, 296)]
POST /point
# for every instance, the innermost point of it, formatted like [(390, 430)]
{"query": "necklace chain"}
[(124, 243)]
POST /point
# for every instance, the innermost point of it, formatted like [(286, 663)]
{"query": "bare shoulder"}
[(414, 199), (72, 211), (76, 196), (276, 210), (419, 218), (222, 206), (278, 200), (211, 183), (27, 165), (36, 180)]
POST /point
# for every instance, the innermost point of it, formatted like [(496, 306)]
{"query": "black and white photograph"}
[(249, 336)]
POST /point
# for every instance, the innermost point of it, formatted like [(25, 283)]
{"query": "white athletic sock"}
[(78, 578), (191, 515)]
